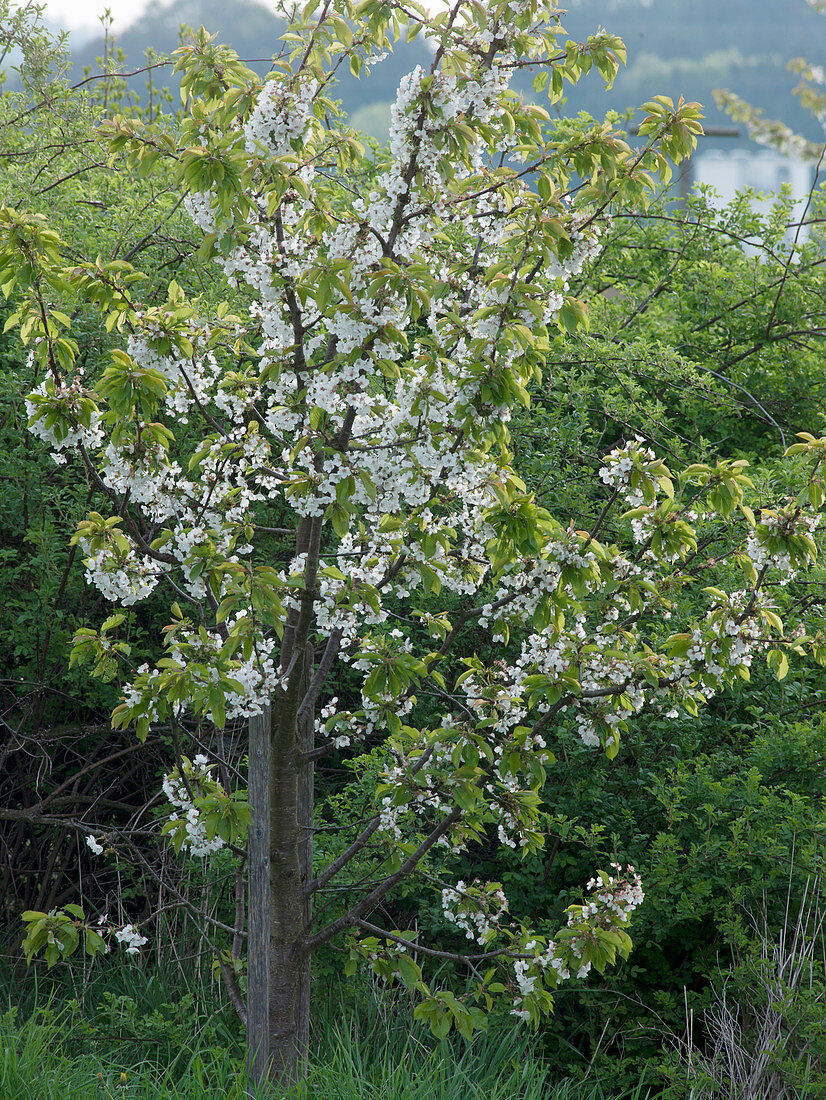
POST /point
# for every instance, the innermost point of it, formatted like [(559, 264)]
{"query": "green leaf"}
[(409, 971)]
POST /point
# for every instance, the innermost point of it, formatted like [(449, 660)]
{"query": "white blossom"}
[(131, 938)]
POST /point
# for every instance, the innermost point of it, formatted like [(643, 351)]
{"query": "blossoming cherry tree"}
[(319, 472)]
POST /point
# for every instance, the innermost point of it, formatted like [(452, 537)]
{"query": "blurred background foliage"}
[(674, 49)]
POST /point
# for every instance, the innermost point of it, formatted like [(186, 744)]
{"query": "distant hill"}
[(691, 47), (248, 27), (675, 47), (253, 32)]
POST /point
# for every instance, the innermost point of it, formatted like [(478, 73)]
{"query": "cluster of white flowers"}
[(280, 117), (426, 789), (124, 579), (525, 583), (504, 803), (330, 722), (391, 817), (619, 894), (177, 790), (591, 654), (525, 982), (191, 381), (202, 208), (131, 938), (614, 897), (728, 640), (627, 469), (66, 432), (780, 526), (529, 971), (475, 909), (782, 138)]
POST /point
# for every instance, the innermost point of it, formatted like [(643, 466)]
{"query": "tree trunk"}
[(278, 968), (290, 863), (306, 806), (258, 920)]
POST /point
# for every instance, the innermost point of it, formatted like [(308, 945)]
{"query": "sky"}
[(85, 14)]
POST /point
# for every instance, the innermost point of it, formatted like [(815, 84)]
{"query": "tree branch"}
[(353, 915)]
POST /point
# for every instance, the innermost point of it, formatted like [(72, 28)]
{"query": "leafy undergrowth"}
[(139, 1037)]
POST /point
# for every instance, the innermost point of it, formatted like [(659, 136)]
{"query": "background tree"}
[(58, 769), (702, 348)]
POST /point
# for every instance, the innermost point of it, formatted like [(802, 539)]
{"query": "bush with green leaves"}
[(60, 764), (722, 808)]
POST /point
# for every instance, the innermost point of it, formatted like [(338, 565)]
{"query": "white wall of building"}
[(730, 171)]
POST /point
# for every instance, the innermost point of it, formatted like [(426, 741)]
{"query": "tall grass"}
[(491, 1068), (136, 1038)]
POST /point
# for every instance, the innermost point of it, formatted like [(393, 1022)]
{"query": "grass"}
[(491, 1068), (128, 1036)]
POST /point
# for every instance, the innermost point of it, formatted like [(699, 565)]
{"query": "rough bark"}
[(258, 925), (277, 1051), (306, 739), (287, 937)]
